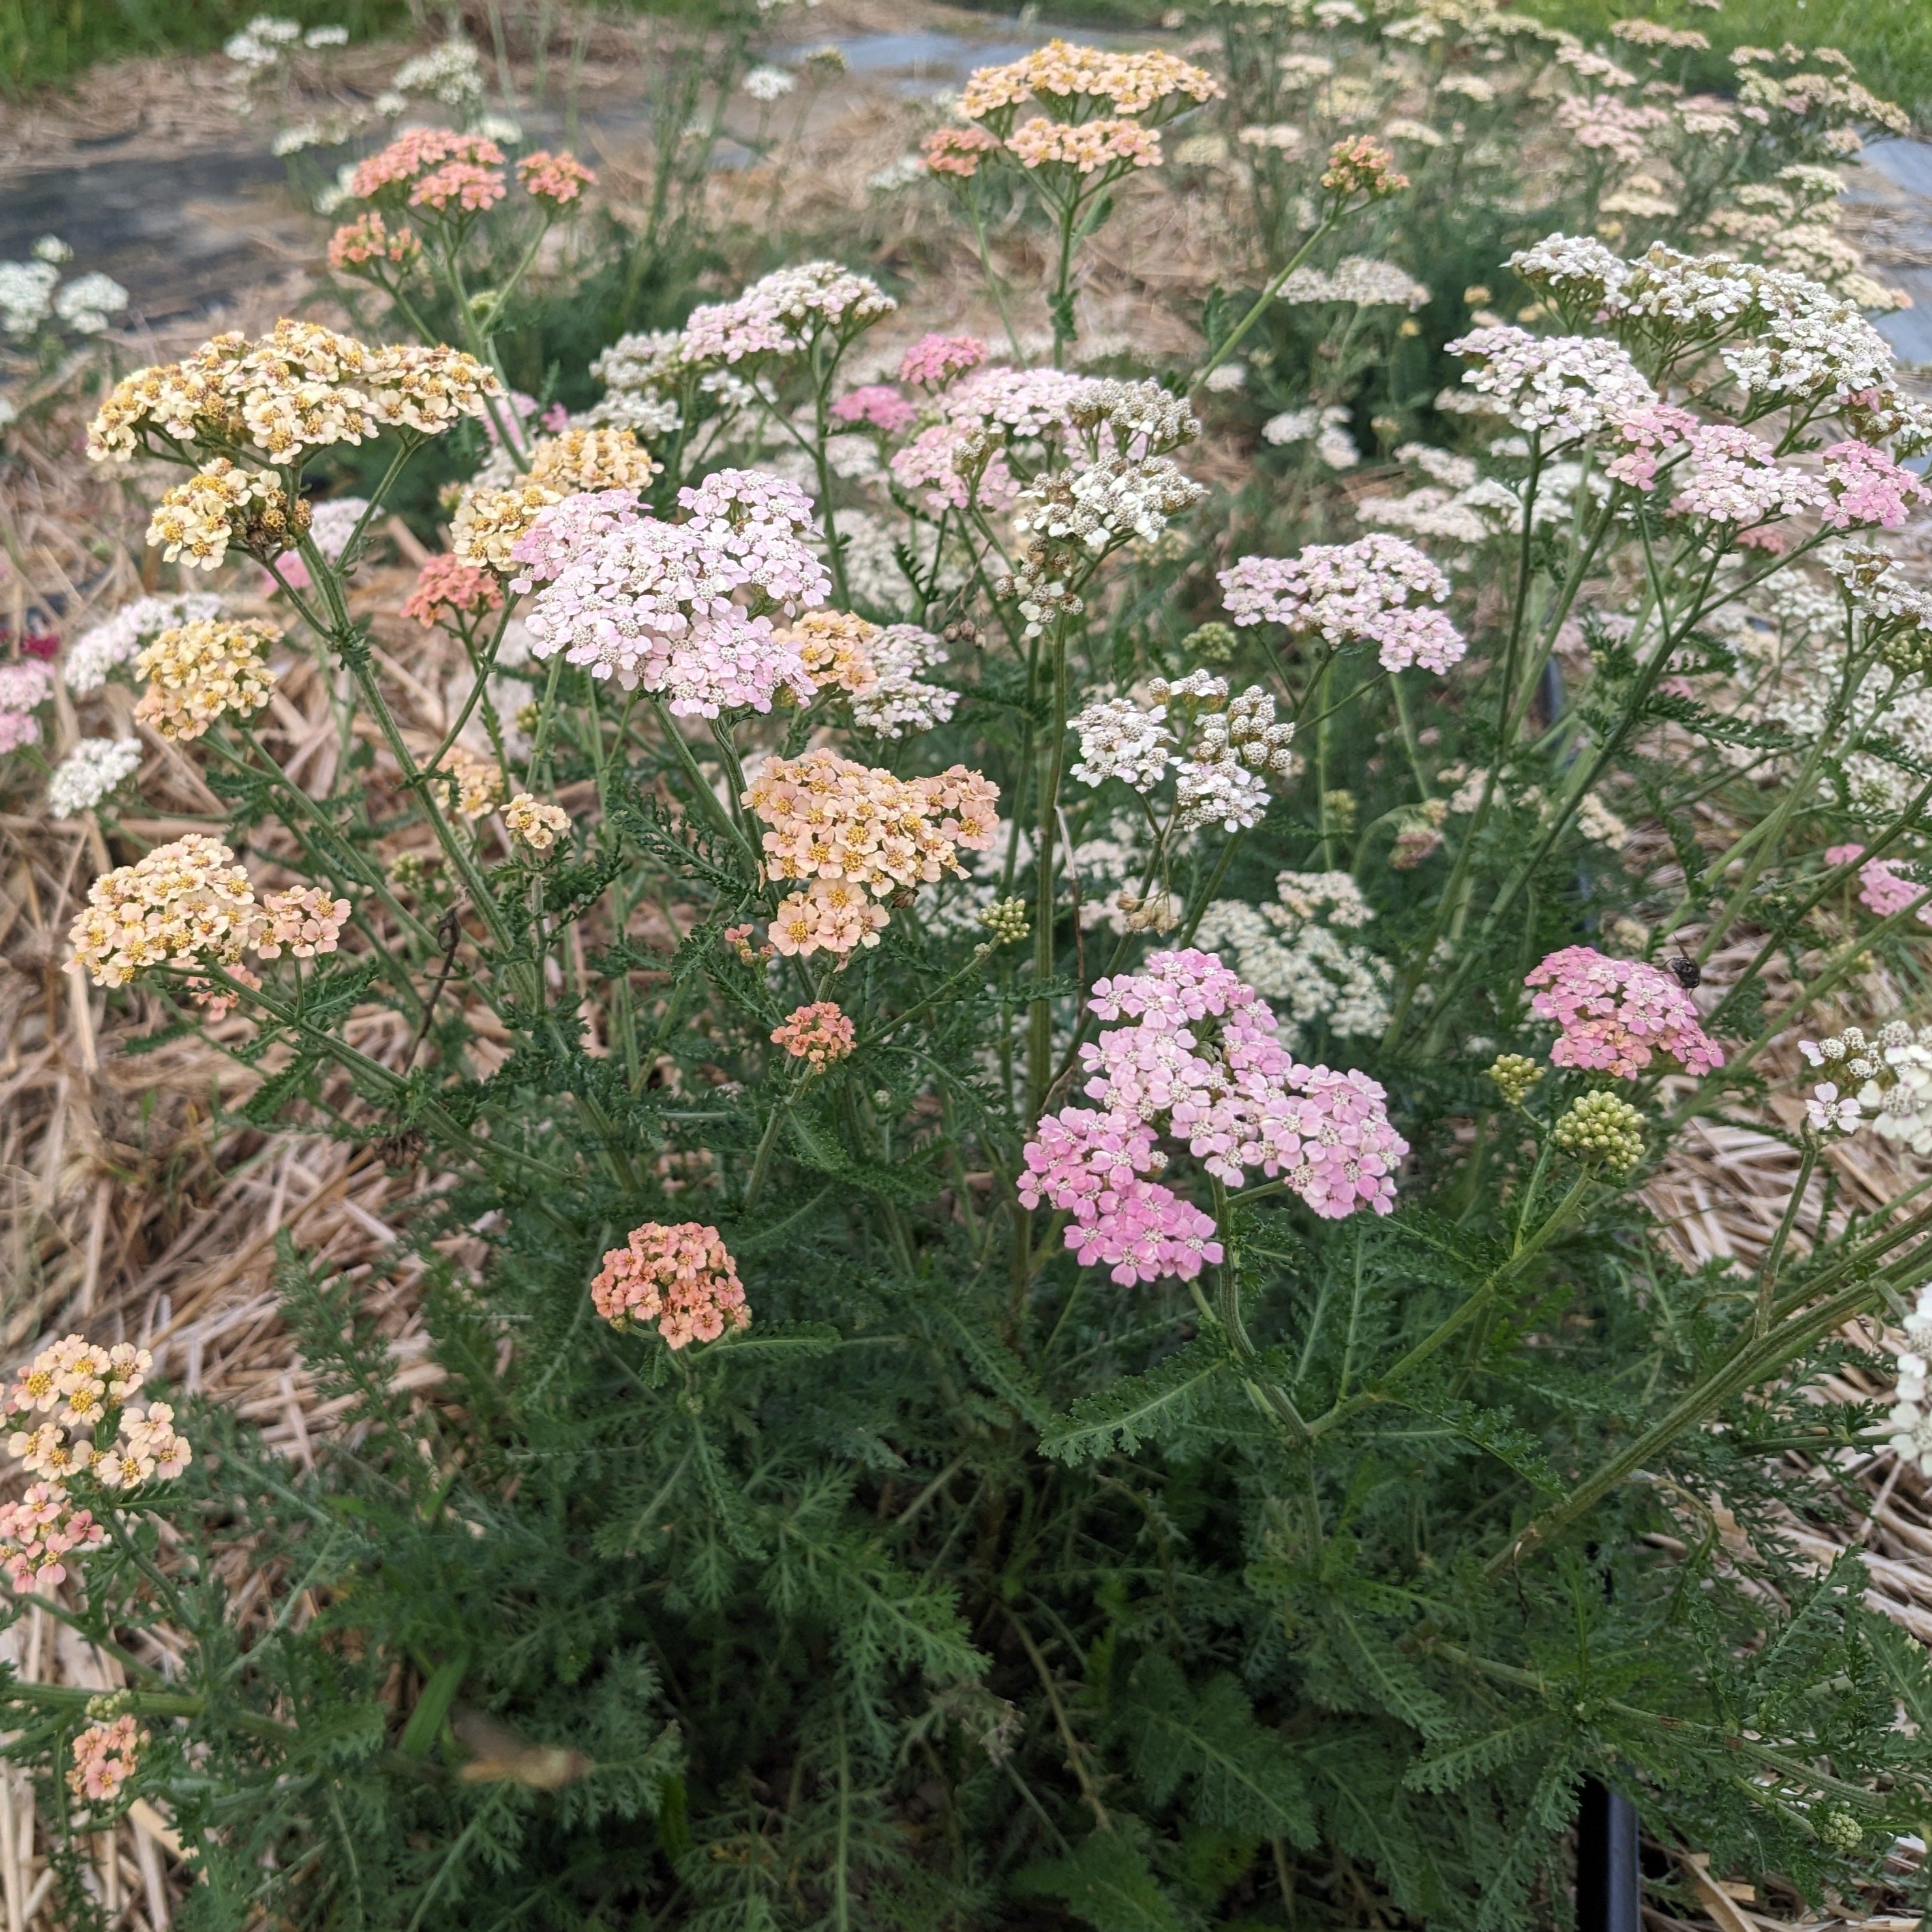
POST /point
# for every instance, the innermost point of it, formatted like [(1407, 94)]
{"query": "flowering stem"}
[(1767, 1277), (1040, 1039), (1231, 341), (761, 1162), (682, 747), (994, 280)]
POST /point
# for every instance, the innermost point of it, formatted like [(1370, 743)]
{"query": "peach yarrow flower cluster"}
[(1615, 1015), (39, 1533), (199, 672), (681, 1276), (818, 1034), (82, 1386), (852, 830), (105, 1757), (447, 588)]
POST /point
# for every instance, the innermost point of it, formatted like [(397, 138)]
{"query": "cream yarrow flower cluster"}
[(186, 903), (577, 460), (488, 523), (538, 826), (222, 503), (197, 673), (80, 1386)]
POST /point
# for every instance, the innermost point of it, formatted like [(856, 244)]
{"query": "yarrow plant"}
[(1036, 1000)]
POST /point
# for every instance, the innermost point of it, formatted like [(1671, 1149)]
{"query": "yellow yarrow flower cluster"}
[(488, 522), (479, 784), (301, 387), (577, 460), (197, 673)]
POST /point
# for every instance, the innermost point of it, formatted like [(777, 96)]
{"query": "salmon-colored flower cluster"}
[(38, 1534), (1361, 166), (852, 830), (818, 1034), (957, 150), (447, 587), (303, 920), (1068, 80), (199, 672), (560, 179), (681, 1276), (836, 647), (105, 1757), (419, 152), (466, 186), (357, 244)]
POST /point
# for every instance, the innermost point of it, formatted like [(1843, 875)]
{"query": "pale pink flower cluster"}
[(663, 605), (681, 1276), (25, 686), (304, 919), (1378, 590), (783, 314), (818, 1033), (1614, 1014), (81, 1385), (1644, 433), (38, 1535), (958, 459), (851, 830), (1199, 1063), (105, 1757), (1088, 147), (1881, 889), (1604, 124), (934, 360), (1731, 476), (878, 406), (1566, 386), (182, 903), (567, 529), (1869, 488), (446, 587), (957, 150)]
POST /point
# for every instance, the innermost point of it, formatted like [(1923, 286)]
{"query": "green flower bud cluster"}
[(1006, 920), (1212, 643), (1514, 1075), (1601, 1129)]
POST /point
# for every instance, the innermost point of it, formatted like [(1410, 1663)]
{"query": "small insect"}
[(1690, 974)]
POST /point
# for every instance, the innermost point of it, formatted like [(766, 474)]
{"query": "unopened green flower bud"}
[(1840, 1830), (1338, 812), (1600, 1128), (1212, 643), (1514, 1075), (1006, 920)]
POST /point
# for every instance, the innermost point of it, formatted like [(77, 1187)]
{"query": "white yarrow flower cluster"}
[(95, 767), (1565, 385), (899, 700), (1120, 740), (1910, 1421)]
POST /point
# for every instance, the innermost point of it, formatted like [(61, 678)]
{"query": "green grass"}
[(43, 42), (1889, 41)]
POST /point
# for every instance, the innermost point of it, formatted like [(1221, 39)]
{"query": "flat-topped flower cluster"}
[(1199, 1063)]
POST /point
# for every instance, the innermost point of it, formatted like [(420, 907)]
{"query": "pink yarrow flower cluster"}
[(1378, 591), (1869, 488), (784, 314), (818, 1033), (1881, 890), (663, 606), (566, 530), (934, 360), (303, 920), (420, 152), (25, 685), (105, 1757), (1731, 476), (445, 588), (878, 406), (38, 1535), (681, 1276), (1199, 1063), (1642, 435), (959, 460), (1615, 1015)]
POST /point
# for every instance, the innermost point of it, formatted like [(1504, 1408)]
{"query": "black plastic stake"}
[(1610, 1887)]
